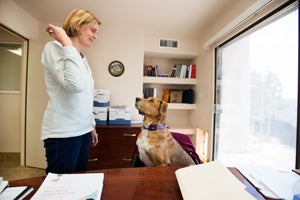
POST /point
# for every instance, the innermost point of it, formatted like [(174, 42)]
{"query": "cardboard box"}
[(119, 115), (100, 115), (101, 97), (175, 96)]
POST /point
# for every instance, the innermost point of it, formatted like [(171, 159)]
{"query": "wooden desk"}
[(146, 183)]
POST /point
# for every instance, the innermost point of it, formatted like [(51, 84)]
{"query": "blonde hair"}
[(76, 18)]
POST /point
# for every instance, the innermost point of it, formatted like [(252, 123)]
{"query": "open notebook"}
[(211, 181)]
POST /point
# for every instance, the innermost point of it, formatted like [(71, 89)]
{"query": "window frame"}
[(252, 27)]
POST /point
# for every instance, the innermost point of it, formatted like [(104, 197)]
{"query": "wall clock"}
[(116, 68)]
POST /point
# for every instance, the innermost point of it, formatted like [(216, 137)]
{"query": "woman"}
[(68, 123)]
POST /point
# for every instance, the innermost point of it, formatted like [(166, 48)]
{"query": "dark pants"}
[(67, 155)]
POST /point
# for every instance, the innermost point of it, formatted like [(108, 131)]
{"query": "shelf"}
[(184, 130), (168, 80), (181, 106)]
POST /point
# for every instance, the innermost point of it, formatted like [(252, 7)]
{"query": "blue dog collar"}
[(155, 127)]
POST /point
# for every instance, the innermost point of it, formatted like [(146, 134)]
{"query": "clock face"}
[(116, 68)]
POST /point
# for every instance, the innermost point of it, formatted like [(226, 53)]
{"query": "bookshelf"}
[(178, 113)]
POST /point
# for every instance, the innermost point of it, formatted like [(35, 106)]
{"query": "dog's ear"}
[(163, 107), (163, 112)]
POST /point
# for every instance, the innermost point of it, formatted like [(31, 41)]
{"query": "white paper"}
[(211, 181), (11, 193), (71, 187), (272, 183), (3, 185)]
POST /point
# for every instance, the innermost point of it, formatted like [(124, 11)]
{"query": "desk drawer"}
[(115, 147)]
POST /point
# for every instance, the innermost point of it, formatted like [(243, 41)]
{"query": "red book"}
[(193, 74)]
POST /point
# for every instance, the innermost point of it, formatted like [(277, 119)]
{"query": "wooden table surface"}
[(145, 183), (128, 183)]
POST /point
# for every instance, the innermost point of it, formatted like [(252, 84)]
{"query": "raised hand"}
[(59, 34)]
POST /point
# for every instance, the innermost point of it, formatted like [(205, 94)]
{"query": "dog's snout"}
[(137, 99)]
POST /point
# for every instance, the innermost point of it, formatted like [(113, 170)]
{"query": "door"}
[(13, 55), (256, 95)]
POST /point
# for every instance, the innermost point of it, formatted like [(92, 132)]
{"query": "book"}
[(178, 70), (149, 92), (173, 72), (211, 181), (193, 72), (187, 71), (16, 192), (183, 71), (71, 186), (156, 70)]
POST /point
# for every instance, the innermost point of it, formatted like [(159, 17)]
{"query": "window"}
[(10, 66), (256, 96)]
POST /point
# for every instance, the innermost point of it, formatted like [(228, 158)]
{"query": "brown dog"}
[(155, 143)]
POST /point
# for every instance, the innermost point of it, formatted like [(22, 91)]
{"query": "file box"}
[(101, 97), (100, 115), (119, 115)]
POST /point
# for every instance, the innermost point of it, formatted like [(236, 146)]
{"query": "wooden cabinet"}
[(115, 147)]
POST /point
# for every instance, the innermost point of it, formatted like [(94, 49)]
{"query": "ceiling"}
[(183, 17)]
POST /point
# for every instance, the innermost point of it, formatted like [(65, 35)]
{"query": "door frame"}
[(23, 90)]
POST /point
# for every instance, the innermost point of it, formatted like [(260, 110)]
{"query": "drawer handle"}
[(93, 159), (127, 159), (129, 134)]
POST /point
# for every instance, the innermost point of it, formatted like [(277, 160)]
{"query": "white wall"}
[(126, 44), (14, 17)]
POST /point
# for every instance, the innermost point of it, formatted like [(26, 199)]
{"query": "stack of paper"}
[(15, 193), (18, 192), (211, 181), (3, 184), (71, 187), (271, 182)]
